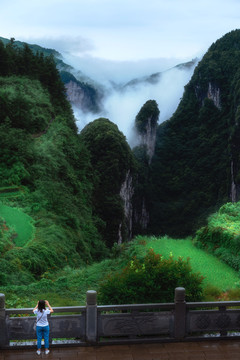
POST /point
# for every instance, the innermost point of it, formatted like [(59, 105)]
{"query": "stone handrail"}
[(121, 324)]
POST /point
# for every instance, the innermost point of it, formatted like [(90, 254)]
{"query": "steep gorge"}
[(196, 164), (90, 190)]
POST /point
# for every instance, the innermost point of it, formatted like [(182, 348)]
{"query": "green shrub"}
[(150, 280), (221, 236), (211, 293)]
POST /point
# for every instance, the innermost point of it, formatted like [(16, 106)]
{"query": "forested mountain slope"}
[(67, 188), (81, 193), (196, 163), (46, 164)]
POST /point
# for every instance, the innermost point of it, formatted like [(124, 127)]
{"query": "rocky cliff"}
[(146, 127), (81, 95), (126, 193), (196, 166), (148, 137)]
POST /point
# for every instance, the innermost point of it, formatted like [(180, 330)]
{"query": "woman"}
[(42, 324)]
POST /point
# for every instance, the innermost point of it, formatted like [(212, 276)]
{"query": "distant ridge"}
[(155, 77), (34, 47)]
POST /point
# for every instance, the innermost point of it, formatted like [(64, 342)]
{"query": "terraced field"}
[(21, 222)]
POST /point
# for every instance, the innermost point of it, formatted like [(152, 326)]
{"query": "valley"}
[(77, 205)]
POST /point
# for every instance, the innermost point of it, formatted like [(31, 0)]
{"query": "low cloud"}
[(122, 103), (64, 44), (107, 71)]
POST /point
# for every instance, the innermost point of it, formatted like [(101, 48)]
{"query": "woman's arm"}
[(49, 306), (35, 307)]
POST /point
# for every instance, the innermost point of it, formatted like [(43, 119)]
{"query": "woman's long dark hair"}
[(41, 305)]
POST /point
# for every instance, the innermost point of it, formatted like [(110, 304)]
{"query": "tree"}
[(150, 280)]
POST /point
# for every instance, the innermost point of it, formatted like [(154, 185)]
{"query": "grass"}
[(216, 272), (68, 286), (21, 222)]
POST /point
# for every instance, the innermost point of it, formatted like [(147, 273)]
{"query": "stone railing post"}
[(3, 327), (91, 317), (180, 313)]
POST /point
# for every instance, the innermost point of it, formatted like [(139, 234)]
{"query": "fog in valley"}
[(126, 86)]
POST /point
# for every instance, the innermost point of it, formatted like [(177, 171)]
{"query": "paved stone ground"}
[(206, 350)]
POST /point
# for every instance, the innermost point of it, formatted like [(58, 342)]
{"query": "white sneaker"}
[(47, 352), (39, 352)]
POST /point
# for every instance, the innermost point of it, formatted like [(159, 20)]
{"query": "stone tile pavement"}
[(204, 350)]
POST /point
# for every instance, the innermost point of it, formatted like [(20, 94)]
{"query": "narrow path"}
[(205, 350)]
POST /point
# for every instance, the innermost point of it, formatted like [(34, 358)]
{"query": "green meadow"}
[(219, 278), (20, 222)]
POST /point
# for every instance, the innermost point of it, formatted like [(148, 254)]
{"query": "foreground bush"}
[(151, 280)]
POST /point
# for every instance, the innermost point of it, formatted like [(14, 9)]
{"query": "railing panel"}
[(63, 326), (68, 326), (213, 320), (141, 324), (20, 328), (93, 324)]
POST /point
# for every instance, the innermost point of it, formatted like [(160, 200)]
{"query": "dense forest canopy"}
[(43, 156), (197, 151)]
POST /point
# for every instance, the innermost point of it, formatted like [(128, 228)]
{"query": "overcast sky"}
[(121, 30)]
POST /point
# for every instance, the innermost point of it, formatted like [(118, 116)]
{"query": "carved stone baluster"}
[(3, 328), (91, 317), (180, 313)]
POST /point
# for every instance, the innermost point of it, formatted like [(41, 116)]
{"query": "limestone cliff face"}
[(81, 96), (214, 95), (141, 215), (75, 94), (146, 126), (126, 193), (148, 138)]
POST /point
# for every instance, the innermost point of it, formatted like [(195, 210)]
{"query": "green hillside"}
[(68, 286), (223, 277), (197, 151), (42, 153), (41, 150), (69, 201)]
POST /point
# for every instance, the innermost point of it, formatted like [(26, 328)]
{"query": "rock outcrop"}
[(80, 94), (126, 193), (214, 95), (148, 138), (146, 126)]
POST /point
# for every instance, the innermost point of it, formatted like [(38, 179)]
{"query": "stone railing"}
[(121, 324)]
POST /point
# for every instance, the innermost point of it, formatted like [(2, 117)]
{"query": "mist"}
[(104, 70), (123, 99)]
